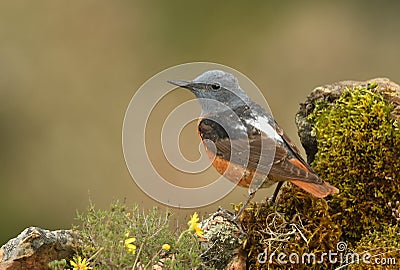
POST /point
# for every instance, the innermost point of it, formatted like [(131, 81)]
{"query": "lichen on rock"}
[(222, 241)]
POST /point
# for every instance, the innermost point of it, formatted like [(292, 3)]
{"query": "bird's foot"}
[(271, 201)]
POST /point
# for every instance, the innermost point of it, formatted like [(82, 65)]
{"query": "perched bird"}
[(244, 142)]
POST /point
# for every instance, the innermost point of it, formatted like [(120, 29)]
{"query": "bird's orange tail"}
[(318, 190)]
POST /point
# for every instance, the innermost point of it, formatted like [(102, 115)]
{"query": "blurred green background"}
[(68, 70)]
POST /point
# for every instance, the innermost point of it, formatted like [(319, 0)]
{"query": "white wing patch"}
[(239, 125), (263, 125)]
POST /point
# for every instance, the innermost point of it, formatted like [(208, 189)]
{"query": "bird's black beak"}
[(180, 83)]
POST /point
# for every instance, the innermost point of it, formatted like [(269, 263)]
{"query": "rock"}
[(34, 248), (329, 93), (239, 261), (222, 242)]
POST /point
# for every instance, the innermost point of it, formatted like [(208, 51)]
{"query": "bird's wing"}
[(260, 152), (293, 148)]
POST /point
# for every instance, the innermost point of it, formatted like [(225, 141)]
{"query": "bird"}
[(244, 142)]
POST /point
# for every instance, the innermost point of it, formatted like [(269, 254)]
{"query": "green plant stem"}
[(176, 244), (180, 236), (94, 255), (138, 254), (148, 264)]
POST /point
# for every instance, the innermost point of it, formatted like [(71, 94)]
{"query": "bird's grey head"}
[(215, 90)]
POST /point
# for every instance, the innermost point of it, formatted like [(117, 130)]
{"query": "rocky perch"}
[(34, 248), (328, 94)]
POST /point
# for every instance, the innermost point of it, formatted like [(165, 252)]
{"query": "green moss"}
[(358, 152), (385, 245)]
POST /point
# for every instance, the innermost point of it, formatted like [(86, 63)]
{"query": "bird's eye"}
[(215, 86)]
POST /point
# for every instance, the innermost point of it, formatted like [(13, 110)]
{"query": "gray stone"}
[(34, 248)]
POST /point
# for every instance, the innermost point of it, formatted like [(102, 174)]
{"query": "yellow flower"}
[(131, 248), (194, 225), (80, 264), (166, 247), (126, 234)]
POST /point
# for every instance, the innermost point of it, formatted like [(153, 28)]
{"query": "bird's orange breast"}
[(234, 172)]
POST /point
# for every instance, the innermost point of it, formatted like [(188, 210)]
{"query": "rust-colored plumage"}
[(243, 140)]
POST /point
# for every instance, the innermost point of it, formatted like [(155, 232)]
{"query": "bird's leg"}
[(276, 191), (251, 195)]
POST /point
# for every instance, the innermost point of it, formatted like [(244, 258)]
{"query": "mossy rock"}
[(350, 131), (298, 224)]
